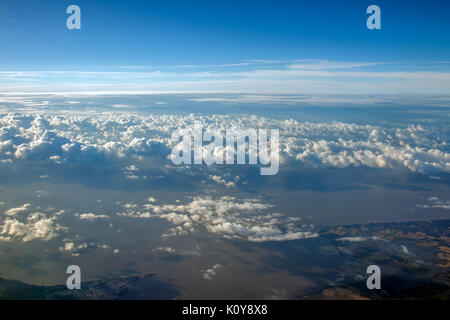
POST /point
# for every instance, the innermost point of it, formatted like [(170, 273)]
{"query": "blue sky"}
[(221, 37), (33, 33)]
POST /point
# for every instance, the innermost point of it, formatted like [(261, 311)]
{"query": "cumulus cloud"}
[(345, 145), (91, 216), (68, 246), (73, 248), (34, 226), (132, 168), (71, 139), (220, 180), (126, 138), (208, 274), (169, 250), (404, 249), (228, 217), (14, 211)]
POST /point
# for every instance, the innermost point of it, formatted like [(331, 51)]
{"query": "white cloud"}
[(220, 180), (208, 274), (288, 77), (130, 205), (228, 217), (132, 168), (68, 246), (435, 202), (4, 239), (74, 139), (73, 248), (327, 65), (165, 249), (35, 226), (92, 216), (14, 211)]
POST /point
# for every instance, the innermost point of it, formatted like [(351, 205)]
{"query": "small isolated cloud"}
[(435, 203), (404, 249), (68, 246), (73, 248), (208, 274), (92, 216), (220, 180), (56, 159), (14, 211), (357, 239), (165, 249), (130, 206)]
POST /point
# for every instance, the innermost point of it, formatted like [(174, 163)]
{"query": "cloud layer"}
[(274, 77), (129, 138), (228, 217)]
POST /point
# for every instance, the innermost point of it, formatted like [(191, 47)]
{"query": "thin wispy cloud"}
[(267, 77)]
